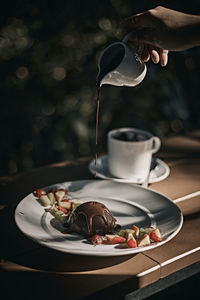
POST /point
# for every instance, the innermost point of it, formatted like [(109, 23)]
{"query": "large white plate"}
[(130, 204)]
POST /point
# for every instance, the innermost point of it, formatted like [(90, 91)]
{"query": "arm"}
[(162, 29)]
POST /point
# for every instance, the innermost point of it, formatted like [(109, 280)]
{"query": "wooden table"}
[(30, 270)]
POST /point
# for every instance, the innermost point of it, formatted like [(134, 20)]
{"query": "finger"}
[(145, 56), (163, 57), (154, 54)]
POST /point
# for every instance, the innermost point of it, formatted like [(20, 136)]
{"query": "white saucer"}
[(159, 170)]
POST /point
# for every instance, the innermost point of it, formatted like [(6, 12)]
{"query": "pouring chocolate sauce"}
[(119, 66)]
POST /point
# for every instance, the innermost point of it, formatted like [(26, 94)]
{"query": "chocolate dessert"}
[(92, 218)]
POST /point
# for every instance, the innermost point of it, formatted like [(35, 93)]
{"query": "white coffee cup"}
[(131, 159)]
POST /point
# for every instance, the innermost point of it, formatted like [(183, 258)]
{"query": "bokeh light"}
[(59, 73), (22, 72)]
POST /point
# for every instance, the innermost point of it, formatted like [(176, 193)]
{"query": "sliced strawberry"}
[(65, 200), (40, 192), (128, 231), (66, 203), (51, 197), (131, 241), (145, 230), (52, 191), (122, 232), (60, 194), (44, 200), (115, 239), (144, 241), (155, 235), (96, 240), (58, 214), (62, 209), (64, 190), (136, 231)]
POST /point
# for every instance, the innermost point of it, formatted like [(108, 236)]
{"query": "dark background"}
[(48, 66)]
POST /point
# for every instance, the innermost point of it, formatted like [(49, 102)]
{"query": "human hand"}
[(162, 29)]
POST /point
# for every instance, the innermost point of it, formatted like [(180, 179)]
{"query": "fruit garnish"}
[(66, 203), (96, 240), (58, 214), (115, 239), (51, 197), (62, 209), (40, 192), (145, 230), (155, 235), (128, 231), (144, 241), (44, 200), (131, 241), (64, 190), (136, 231), (60, 194), (65, 200), (122, 232)]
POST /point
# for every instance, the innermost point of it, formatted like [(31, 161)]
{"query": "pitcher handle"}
[(138, 48), (126, 38)]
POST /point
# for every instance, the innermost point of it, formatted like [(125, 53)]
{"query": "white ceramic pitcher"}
[(119, 66)]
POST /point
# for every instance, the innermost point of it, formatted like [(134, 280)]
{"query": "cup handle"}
[(156, 143)]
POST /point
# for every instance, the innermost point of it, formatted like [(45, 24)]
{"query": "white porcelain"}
[(131, 159), (130, 204), (158, 172), (130, 70)]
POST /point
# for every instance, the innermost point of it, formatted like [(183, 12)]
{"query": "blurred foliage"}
[(48, 60)]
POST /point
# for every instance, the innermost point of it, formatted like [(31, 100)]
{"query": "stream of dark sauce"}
[(108, 62), (97, 125)]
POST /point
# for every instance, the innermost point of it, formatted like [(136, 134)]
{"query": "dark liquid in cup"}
[(130, 136)]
